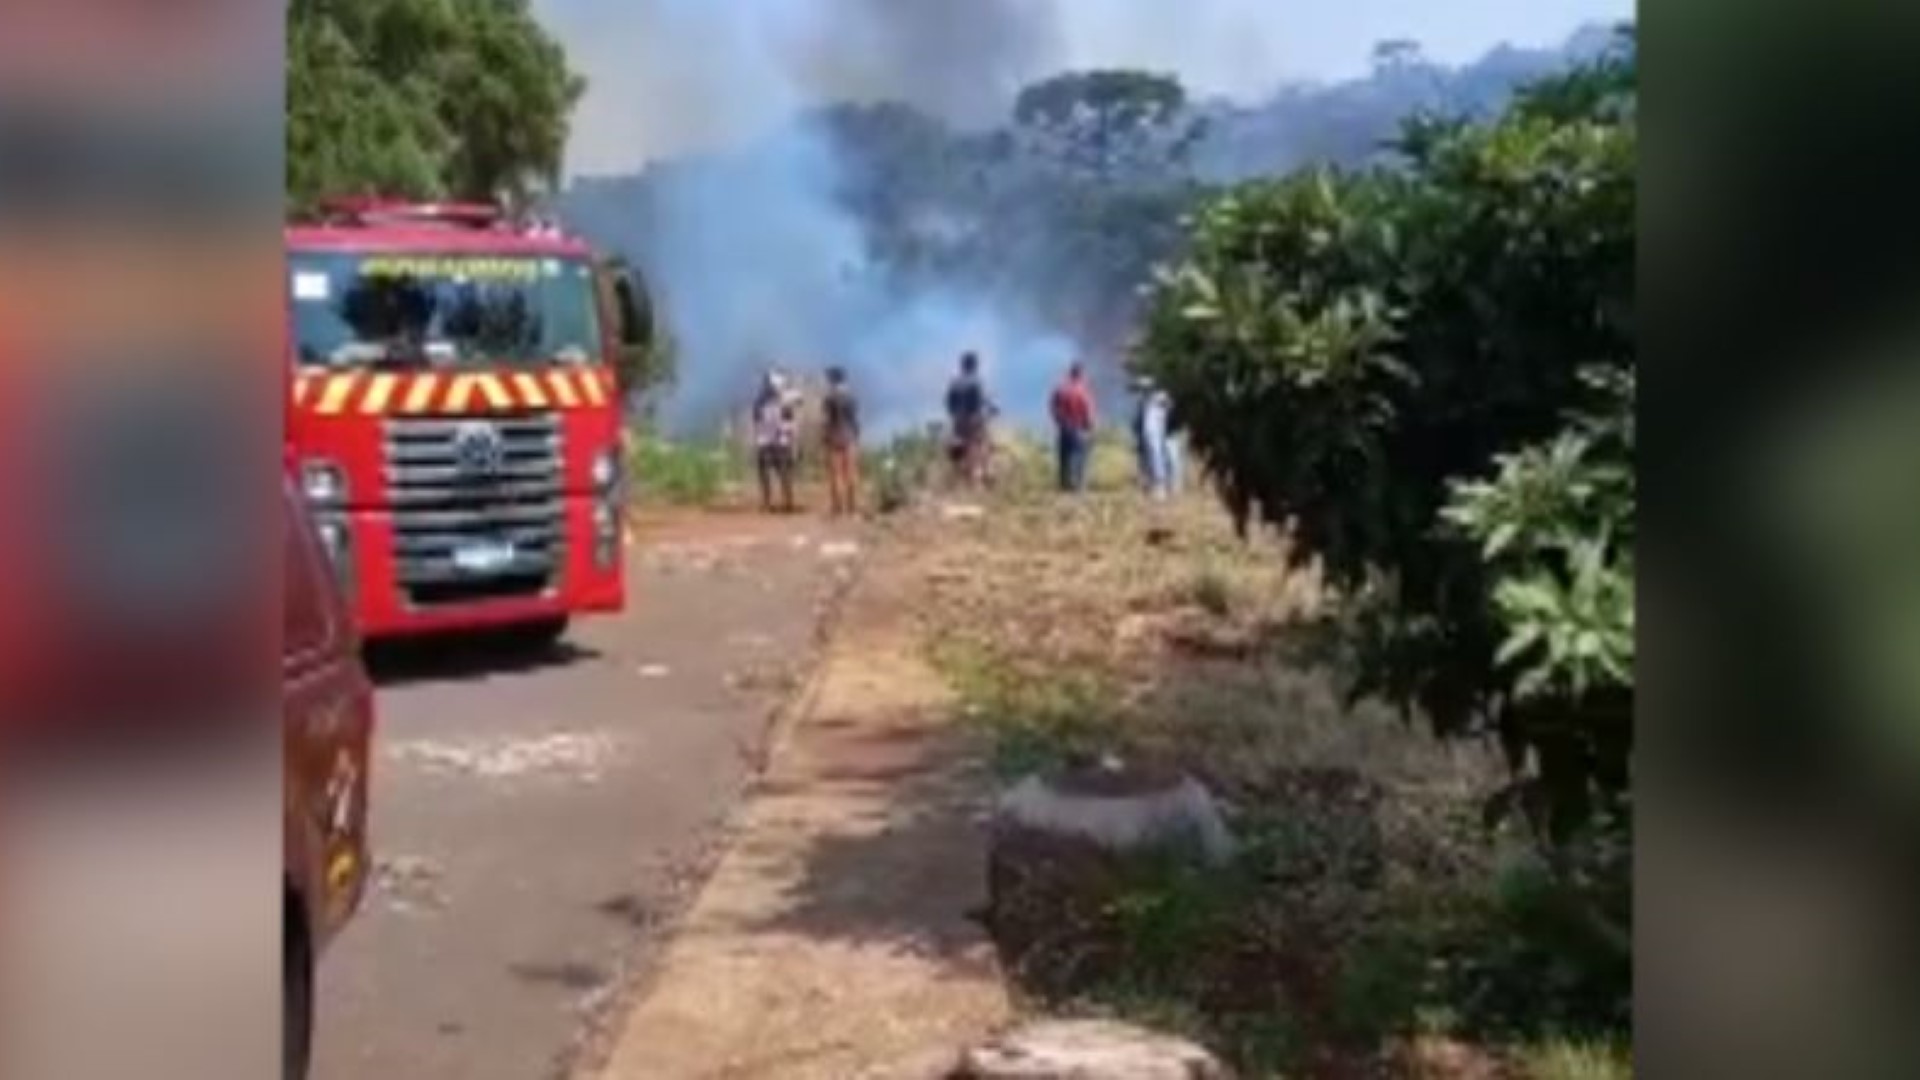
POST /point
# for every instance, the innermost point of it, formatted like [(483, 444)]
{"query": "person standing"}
[(774, 430), (967, 413), (841, 433), (1142, 391), (1072, 409), (1156, 441)]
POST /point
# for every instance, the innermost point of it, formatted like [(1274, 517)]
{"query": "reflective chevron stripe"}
[(529, 390), (467, 393), (334, 393), (379, 389), (561, 383), (420, 395)]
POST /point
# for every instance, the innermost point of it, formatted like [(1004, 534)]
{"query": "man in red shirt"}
[(1073, 427)]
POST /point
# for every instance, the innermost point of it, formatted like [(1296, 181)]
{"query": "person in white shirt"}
[(1153, 439), (776, 425)]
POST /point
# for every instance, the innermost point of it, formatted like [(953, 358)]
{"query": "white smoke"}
[(751, 257), (668, 77)]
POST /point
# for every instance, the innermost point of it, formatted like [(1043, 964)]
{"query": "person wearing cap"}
[(775, 430)]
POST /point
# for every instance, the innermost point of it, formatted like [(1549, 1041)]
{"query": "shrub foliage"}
[(1423, 373)]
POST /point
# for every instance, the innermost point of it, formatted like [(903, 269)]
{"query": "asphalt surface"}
[(536, 818)]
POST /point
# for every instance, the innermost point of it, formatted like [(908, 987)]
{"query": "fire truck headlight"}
[(606, 470), (323, 483)]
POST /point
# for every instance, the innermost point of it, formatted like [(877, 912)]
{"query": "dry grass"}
[(1109, 623), (1184, 640)]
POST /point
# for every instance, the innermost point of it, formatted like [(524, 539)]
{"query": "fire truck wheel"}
[(296, 996), (539, 636)]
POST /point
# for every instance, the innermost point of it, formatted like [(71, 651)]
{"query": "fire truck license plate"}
[(483, 557)]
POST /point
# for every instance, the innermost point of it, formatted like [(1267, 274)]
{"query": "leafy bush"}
[(1556, 526), (1423, 375), (1556, 531), (1347, 348)]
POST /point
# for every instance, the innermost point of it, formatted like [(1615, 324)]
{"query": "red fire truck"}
[(455, 420)]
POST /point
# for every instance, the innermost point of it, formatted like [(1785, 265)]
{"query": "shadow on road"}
[(903, 864), (466, 658)]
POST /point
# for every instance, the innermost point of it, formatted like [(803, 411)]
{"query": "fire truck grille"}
[(477, 506)]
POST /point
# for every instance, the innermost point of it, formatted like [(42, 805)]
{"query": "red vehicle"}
[(327, 713), (455, 420)]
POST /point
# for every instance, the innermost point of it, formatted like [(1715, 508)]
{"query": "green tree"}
[(1110, 125), (424, 98), (1354, 353), (348, 131)]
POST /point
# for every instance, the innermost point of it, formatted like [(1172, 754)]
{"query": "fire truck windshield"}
[(356, 309)]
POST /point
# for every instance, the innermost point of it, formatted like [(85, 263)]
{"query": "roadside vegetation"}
[(1370, 915), (716, 471), (683, 473), (1414, 389)]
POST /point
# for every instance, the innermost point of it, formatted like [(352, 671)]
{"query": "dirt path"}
[(833, 939)]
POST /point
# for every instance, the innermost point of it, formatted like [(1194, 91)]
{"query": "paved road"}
[(535, 819)]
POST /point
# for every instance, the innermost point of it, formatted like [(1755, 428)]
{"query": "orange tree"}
[(1423, 373)]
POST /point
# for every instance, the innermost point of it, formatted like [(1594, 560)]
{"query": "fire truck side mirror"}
[(630, 309)]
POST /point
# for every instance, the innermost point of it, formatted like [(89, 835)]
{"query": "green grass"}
[(1029, 724), (692, 473), (897, 471), (1562, 1059)]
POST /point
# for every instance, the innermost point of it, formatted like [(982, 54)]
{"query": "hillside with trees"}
[(1055, 216), (1354, 121)]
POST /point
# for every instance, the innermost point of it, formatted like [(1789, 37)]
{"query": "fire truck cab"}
[(455, 422)]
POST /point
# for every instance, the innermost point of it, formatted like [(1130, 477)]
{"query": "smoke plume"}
[(741, 218), (752, 257)]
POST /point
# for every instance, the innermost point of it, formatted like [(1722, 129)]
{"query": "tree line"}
[(1057, 214)]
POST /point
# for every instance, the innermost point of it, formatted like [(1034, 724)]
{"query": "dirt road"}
[(536, 820)]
